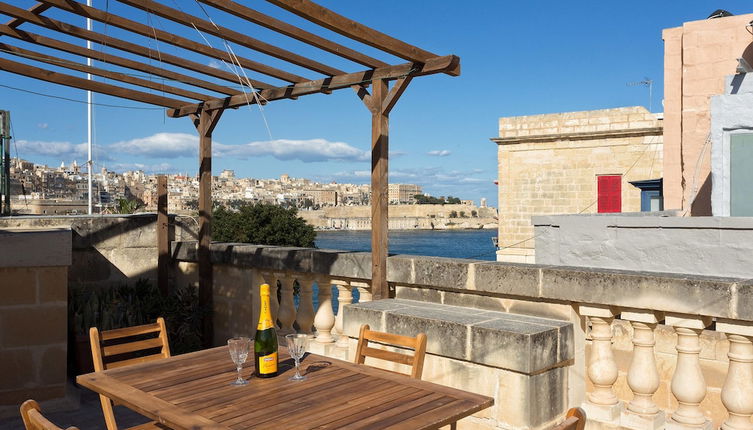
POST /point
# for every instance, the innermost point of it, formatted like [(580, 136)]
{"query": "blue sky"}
[(518, 58)]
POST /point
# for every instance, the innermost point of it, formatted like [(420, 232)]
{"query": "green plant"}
[(126, 305), (262, 224)]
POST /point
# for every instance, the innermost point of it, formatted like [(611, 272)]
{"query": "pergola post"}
[(380, 133), (380, 102), (205, 122), (163, 239)]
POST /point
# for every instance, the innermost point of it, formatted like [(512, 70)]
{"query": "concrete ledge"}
[(518, 343), (32, 247)]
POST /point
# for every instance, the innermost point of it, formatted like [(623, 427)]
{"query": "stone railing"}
[(651, 350)]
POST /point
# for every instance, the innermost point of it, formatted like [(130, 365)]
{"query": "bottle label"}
[(268, 363)]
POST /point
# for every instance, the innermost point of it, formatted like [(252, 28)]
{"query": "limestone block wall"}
[(33, 317), (697, 57), (548, 164), (707, 246), (109, 249)]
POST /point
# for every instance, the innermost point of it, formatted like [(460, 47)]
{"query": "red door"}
[(609, 193)]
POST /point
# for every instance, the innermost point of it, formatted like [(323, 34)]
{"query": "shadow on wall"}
[(701, 205)]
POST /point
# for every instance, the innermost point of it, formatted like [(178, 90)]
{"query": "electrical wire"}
[(80, 101)]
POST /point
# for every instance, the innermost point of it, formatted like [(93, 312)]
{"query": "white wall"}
[(713, 246)]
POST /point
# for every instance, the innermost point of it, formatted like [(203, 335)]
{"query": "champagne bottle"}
[(265, 341)]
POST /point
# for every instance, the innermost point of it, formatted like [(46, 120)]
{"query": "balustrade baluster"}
[(688, 384), (601, 405), (643, 377), (344, 297), (737, 392), (364, 291), (305, 314), (325, 318), (286, 315)]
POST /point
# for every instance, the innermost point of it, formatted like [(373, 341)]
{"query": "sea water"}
[(473, 244)]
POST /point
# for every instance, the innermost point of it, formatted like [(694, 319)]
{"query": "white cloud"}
[(439, 152), (52, 149), (160, 145), (43, 125), (428, 177), (308, 151), (215, 64), (148, 168)]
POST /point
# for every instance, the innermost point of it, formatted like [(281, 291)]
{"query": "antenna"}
[(646, 82)]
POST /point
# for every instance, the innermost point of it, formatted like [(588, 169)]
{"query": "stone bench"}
[(526, 357)]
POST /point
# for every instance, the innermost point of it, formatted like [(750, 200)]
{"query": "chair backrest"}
[(125, 346), (418, 344), (574, 420), (107, 346), (31, 413)]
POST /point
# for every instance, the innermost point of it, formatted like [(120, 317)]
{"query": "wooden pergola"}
[(377, 83)]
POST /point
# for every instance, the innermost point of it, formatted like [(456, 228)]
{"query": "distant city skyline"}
[(517, 59)]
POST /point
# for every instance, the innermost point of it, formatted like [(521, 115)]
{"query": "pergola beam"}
[(172, 39), (447, 64), (84, 84), (354, 30), (231, 35), (111, 59), (21, 16), (282, 27), (36, 10), (55, 61)]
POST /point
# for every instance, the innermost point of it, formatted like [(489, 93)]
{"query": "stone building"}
[(569, 163), (697, 58), (403, 193)]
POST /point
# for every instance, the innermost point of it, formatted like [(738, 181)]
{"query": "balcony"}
[(635, 349)]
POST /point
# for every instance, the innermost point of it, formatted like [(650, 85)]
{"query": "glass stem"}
[(297, 373), (239, 372)]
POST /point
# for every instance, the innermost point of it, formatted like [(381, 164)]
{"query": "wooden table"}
[(193, 391)]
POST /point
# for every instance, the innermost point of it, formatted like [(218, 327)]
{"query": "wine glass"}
[(239, 347), (297, 347)]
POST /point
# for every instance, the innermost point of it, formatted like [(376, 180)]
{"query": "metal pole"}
[(5, 162), (89, 114)]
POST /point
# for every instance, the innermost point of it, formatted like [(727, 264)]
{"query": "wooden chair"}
[(574, 420), (31, 413), (418, 344), (123, 347)]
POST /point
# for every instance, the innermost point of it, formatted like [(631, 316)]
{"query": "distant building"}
[(322, 197), (227, 174), (403, 193), (569, 163)]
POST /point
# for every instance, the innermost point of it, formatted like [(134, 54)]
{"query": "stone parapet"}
[(514, 342), (662, 292)]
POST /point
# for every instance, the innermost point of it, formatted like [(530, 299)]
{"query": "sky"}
[(517, 58)]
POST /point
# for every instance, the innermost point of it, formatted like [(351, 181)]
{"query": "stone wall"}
[(109, 249), (33, 317), (697, 57), (548, 164), (708, 246)]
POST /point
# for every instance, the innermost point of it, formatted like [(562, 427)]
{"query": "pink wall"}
[(697, 57)]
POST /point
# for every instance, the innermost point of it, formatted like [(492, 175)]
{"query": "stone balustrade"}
[(650, 351)]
